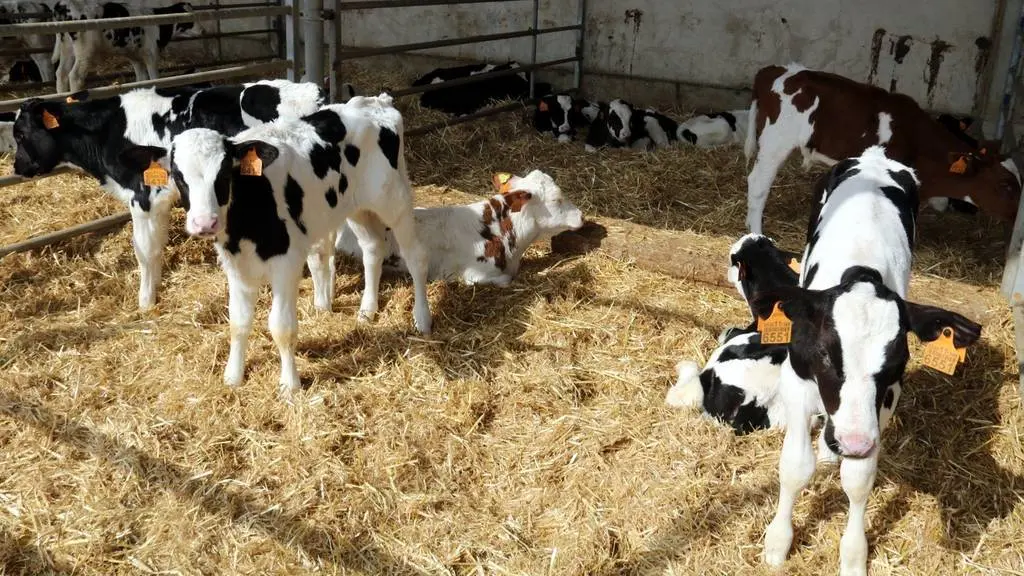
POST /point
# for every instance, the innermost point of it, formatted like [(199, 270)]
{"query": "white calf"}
[(717, 129), (484, 242)]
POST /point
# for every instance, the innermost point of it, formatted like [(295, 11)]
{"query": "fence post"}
[(333, 34), (291, 40), (533, 46), (313, 38), (577, 75)]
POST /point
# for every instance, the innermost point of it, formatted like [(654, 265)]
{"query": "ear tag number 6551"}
[(777, 328)]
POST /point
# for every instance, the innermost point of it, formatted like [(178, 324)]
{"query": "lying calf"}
[(717, 129), (269, 194), (739, 385), (620, 125), (562, 116), (484, 242)]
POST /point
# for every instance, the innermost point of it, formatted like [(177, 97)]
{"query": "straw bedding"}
[(528, 435)]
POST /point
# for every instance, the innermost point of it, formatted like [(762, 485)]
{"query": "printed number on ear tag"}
[(777, 328), (251, 164), (942, 354), (49, 120), (794, 265), (155, 175), (500, 181)]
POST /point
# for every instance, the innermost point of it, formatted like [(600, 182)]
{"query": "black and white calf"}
[(484, 242), (9, 14), (848, 349), (716, 129), (562, 116), (344, 161), (619, 124), (466, 99), (140, 44), (92, 136), (739, 385)]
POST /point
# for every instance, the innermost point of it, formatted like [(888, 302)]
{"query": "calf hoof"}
[(233, 378), (777, 540), (423, 323), (365, 317), (687, 392)]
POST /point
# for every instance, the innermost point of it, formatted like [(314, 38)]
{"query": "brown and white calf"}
[(483, 242), (829, 118)]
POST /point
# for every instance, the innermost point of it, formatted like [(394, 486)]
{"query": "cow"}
[(91, 136), (849, 321), (620, 125), (739, 384), (562, 115), (18, 12), (468, 98), (715, 129), (269, 194), (484, 242), (829, 118), (140, 44)]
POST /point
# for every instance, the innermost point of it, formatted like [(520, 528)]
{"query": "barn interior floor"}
[(527, 435)]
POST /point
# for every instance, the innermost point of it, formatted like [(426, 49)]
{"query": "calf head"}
[(557, 109), (756, 265), (538, 197), (620, 120), (202, 165), (991, 181), (851, 340), (35, 132)]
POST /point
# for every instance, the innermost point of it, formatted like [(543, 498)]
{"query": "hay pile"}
[(526, 436)]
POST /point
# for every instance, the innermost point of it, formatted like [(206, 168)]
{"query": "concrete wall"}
[(936, 51)]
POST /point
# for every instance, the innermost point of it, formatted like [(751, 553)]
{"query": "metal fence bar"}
[(13, 179), (291, 41), (15, 52), (479, 77), (182, 80), (533, 47), (333, 46), (577, 72), (399, 48), (129, 21), (463, 119), (313, 36), (371, 5), (240, 5), (46, 239)]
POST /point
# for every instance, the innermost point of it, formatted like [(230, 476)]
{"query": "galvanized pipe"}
[(479, 77), (14, 179), (400, 48), (577, 72), (291, 41), (128, 21), (533, 48), (463, 119), (105, 223), (313, 36), (370, 5), (333, 48)]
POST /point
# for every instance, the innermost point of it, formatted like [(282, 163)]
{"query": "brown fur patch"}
[(499, 209), (768, 102), (517, 200)]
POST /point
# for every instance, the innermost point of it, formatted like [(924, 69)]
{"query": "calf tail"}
[(687, 392), (750, 146)]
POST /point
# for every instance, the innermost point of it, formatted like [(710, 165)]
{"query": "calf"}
[(22, 71), (268, 194), (848, 348), (141, 45), (620, 125), (466, 99), (739, 384), (18, 12), (484, 242), (92, 135), (561, 115), (829, 118), (716, 129)]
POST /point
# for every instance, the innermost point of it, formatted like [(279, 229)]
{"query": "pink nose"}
[(856, 445), (203, 224)]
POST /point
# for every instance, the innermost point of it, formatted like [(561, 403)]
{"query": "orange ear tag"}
[(155, 175), (542, 106), (958, 167), (500, 181), (942, 355), (777, 328), (794, 265), (963, 125), (49, 120), (70, 100), (251, 164)]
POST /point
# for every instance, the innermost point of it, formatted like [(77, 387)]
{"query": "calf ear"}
[(267, 152), (963, 163), (517, 200), (138, 158), (928, 321)]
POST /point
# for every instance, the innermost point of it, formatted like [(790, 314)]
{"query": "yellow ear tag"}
[(500, 181), (543, 106), (49, 120), (794, 265), (958, 167), (70, 100), (942, 355), (251, 164), (155, 175), (777, 328)]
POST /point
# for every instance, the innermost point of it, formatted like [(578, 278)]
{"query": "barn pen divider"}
[(312, 20)]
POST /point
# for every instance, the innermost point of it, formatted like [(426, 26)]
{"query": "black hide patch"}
[(215, 108), (261, 101), (293, 195), (728, 117), (342, 184), (331, 196), (689, 136), (252, 215), (351, 154), (324, 158), (389, 143), (328, 126)]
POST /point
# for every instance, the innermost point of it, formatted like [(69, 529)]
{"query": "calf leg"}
[(79, 72), (321, 269), (771, 154), (284, 324), (149, 236), (140, 70), (404, 227), (242, 295), (45, 65), (67, 60), (796, 466), (370, 234), (858, 477)]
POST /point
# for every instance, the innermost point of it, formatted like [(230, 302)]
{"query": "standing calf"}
[(344, 161), (484, 242), (848, 349)]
